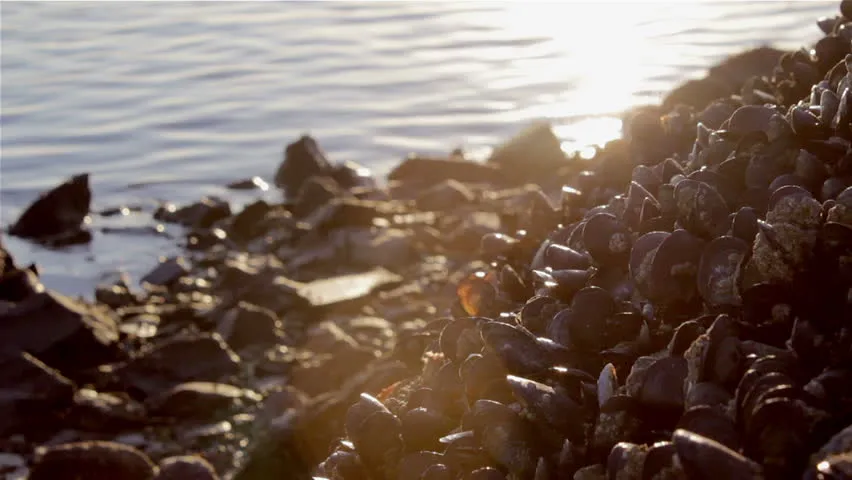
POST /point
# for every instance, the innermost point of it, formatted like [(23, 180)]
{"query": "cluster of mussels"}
[(698, 325)]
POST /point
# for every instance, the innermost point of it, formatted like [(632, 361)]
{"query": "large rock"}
[(186, 467), (57, 212), (203, 357), (31, 394), (303, 159), (95, 460), (61, 331), (199, 400), (246, 325)]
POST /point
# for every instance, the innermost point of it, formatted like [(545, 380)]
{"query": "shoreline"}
[(250, 348)]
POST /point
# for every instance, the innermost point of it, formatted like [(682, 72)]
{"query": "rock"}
[(95, 411), (389, 248), (186, 467), (444, 196), (13, 467), (303, 159), (245, 225), (93, 460), (534, 152), (201, 214), (16, 285), (203, 357), (350, 175), (325, 373), (344, 288), (724, 79), (60, 331), (314, 193), (168, 271), (350, 212), (468, 235), (427, 171), (247, 324), (199, 400), (58, 212), (249, 184), (31, 394), (328, 337)]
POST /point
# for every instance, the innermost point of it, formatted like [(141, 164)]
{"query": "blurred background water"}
[(169, 100)]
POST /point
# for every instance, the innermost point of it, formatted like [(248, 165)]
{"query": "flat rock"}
[(302, 160), (533, 152), (387, 248), (334, 290), (61, 331), (198, 400), (57, 211), (204, 357), (427, 171), (95, 460), (186, 467)]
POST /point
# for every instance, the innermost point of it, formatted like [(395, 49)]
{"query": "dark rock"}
[(350, 175), (426, 171), (198, 400), (344, 288), (203, 357), (314, 193), (57, 212), (95, 411), (95, 460), (303, 159), (167, 272), (17, 285), (389, 248), (350, 212), (249, 184), (31, 394), (245, 225), (325, 374), (246, 325), (201, 214), (533, 152), (186, 467), (60, 331)]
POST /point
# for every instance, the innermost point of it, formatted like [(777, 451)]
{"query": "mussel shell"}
[(641, 259), (744, 224), (486, 473), (516, 347), (780, 445), (607, 240), (421, 428), (750, 118), (684, 335), (360, 411), (551, 406), (706, 459), (662, 386), (378, 441), (712, 423), (701, 209), (674, 267), (414, 465), (660, 457), (460, 334), (560, 257), (717, 270), (706, 393)]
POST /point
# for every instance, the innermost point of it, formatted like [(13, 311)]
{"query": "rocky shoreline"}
[(652, 312)]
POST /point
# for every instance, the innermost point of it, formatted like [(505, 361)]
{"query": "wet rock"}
[(533, 152), (95, 411), (201, 214), (204, 357), (168, 271), (303, 159), (60, 331), (246, 325), (187, 467), (58, 212), (427, 171), (468, 235), (91, 460), (199, 400), (253, 183), (447, 195)]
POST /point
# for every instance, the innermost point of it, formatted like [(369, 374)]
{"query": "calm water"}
[(173, 100)]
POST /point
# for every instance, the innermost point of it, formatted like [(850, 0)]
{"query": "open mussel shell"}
[(607, 240), (718, 268)]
